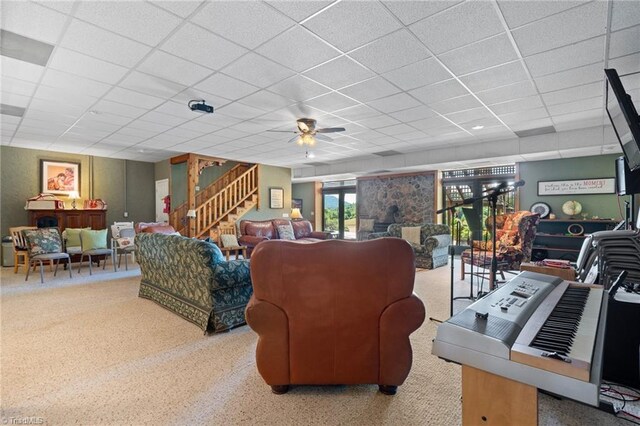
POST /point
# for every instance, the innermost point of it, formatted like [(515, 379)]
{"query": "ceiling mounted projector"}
[(200, 106)]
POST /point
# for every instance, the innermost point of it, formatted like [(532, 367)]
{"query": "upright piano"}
[(535, 332)]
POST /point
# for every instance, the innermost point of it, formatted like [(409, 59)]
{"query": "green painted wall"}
[(20, 170), (162, 170), (270, 176), (602, 205), (179, 179), (305, 191)]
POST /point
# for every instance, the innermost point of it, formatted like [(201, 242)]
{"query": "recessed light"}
[(477, 127)]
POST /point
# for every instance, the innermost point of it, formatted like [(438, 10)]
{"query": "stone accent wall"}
[(399, 198)]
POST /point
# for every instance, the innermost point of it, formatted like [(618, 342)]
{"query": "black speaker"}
[(627, 182), (621, 357)]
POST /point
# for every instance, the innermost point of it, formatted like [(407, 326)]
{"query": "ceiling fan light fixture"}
[(307, 139)]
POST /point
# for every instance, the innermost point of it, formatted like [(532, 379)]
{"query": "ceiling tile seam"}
[(448, 70), (607, 45), (324, 9), (519, 53), (134, 69), (45, 68)]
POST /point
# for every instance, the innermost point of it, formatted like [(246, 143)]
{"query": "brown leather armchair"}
[(334, 312)]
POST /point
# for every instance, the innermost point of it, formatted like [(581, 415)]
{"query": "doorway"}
[(339, 212)]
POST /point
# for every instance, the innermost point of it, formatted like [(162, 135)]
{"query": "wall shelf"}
[(554, 242)]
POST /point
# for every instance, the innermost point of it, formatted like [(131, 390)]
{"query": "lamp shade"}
[(73, 195), (295, 213), (191, 213)]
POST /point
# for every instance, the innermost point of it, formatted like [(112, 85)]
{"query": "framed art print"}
[(276, 198), (61, 178)]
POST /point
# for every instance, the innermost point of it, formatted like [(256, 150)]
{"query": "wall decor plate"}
[(541, 208)]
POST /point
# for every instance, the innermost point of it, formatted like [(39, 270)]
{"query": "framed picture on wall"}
[(57, 177), (276, 198), (296, 203)]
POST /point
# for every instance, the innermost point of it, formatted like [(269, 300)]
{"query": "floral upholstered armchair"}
[(514, 244), (430, 241)]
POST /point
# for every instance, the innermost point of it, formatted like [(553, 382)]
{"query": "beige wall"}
[(104, 177), (276, 177)]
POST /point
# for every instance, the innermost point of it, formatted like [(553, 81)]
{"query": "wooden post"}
[(488, 399), (192, 182)]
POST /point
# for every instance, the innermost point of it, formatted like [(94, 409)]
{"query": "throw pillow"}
[(286, 232), (72, 236), (124, 241), (411, 234), (229, 240), (366, 224), (92, 240), (43, 241)]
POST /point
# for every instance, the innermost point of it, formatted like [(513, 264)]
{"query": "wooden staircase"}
[(223, 202)]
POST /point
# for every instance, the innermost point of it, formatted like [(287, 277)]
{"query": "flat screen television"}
[(624, 118)]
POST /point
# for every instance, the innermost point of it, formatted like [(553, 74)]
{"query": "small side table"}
[(237, 251), (568, 274)]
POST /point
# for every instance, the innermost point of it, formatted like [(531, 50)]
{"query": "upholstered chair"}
[(44, 245), (334, 312), (123, 244), (514, 244), (430, 242)]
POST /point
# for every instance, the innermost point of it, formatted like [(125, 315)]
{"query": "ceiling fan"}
[(307, 132)]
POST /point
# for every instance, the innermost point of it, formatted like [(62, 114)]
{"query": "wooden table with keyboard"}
[(534, 332)]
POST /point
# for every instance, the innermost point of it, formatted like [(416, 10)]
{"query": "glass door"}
[(339, 212)]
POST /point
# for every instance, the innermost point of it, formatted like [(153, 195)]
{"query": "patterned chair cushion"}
[(43, 241), (229, 240)]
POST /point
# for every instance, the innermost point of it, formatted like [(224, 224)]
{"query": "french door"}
[(339, 212)]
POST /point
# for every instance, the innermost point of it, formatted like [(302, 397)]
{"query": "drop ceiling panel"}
[(495, 77), (128, 18), (59, 106), (411, 11), (418, 74), (626, 64), (75, 83), (226, 87), (413, 114), (330, 102), (171, 67), (198, 45), (151, 85), (240, 111), (339, 72), (573, 93), (257, 70), (394, 103), (517, 105), (180, 8), (298, 88), (20, 70), (564, 58), (477, 56), (437, 92), (77, 63), (348, 25), (130, 97), (461, 103), (529, 115), (624, 42), (32, 20), (60, 6), (370, 90), (55, 94), (102, 44), (390, 52), (576, 106), (118, 108), (458, 26), (562, 29), (161, 118), (570, 78), (244, 22), (358, 112), (298, 49), (624, 14), (18, 87), (298, 10), (15, 100), (518, 13)]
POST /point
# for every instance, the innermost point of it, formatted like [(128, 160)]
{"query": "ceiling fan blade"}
[(293, 139), (330, 130), (323, 137)]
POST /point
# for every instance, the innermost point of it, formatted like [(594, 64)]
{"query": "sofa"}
[(191, 278), (334, 312), (435, 239), (253, 232)]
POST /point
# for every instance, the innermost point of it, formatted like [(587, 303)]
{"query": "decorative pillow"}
[(92, 240), (124, 241), (286, 232), (43, 241), (229, 240), (72, 236), (411, 234), (366, 224)]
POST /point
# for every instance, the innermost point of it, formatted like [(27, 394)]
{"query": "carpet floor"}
[(87, 350)]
